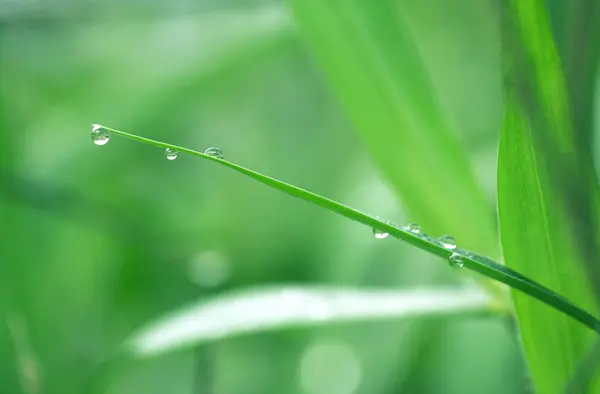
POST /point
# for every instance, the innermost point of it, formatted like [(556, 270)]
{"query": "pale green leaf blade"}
[(536, 246), (375, 68), (272, 308), (538, 213)]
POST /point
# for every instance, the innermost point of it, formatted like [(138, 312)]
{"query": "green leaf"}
[(576, 26), (546, 195), (469, 260), (376, 70), (271, 308)]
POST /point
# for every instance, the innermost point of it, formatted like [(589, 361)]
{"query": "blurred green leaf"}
[(377, 72), (262, 309), (576, 26), (540, 183), (538, 247)]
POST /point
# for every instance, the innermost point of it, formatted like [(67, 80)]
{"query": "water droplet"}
[(379, 234), (413, 228), (171, 154), (99, 135), (214, 152), (456, 260), (448, 242)]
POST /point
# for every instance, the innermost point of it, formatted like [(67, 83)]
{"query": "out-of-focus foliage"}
[(546, 175), (96, 242)]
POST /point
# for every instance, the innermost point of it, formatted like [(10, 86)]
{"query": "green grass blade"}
[(546, 195), (376, 70), (272, 308), (576, 26), (471, 261), (582, 380), (538, 247)]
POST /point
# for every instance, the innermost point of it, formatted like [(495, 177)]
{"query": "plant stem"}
[(472, 261)]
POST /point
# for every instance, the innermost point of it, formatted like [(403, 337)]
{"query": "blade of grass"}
[(265, 309), (546, 194), (539, 248), (376, 70), (471, 261), (277, 307), (583, 378), (576, 24)]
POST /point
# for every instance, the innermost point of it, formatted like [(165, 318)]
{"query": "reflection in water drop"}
[(448, 242), (330, 366), (99, 135), (413, 228), (456, 260), (379, 234), (214, 152), (171, 154)]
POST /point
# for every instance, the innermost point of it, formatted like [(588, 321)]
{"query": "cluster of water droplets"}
[(100, 136), (446, 241)]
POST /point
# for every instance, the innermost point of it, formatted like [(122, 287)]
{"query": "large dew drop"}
[(99, 135), (171, 154), (448, 242), (456, 260), (214, 152)]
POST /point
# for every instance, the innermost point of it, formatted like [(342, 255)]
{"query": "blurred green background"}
[(96, 241)]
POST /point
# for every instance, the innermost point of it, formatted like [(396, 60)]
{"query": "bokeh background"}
[(97, 241)]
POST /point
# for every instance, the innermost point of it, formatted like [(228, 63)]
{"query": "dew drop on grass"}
[(214, 152), (99, 135), (379, 234), (448, 242), (414, 228), (456, 260), (171, 154)]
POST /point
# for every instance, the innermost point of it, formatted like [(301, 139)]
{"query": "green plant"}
[(375, 67), (146, 342)]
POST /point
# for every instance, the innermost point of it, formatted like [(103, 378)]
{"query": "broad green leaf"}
[(265, 309), (375, 68), (541, 180)]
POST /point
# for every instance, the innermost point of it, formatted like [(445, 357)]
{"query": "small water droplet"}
[(413, 228), (214, 152), (171, 154), (456, 260), (99, 135), (448, 242), (379, 234)]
